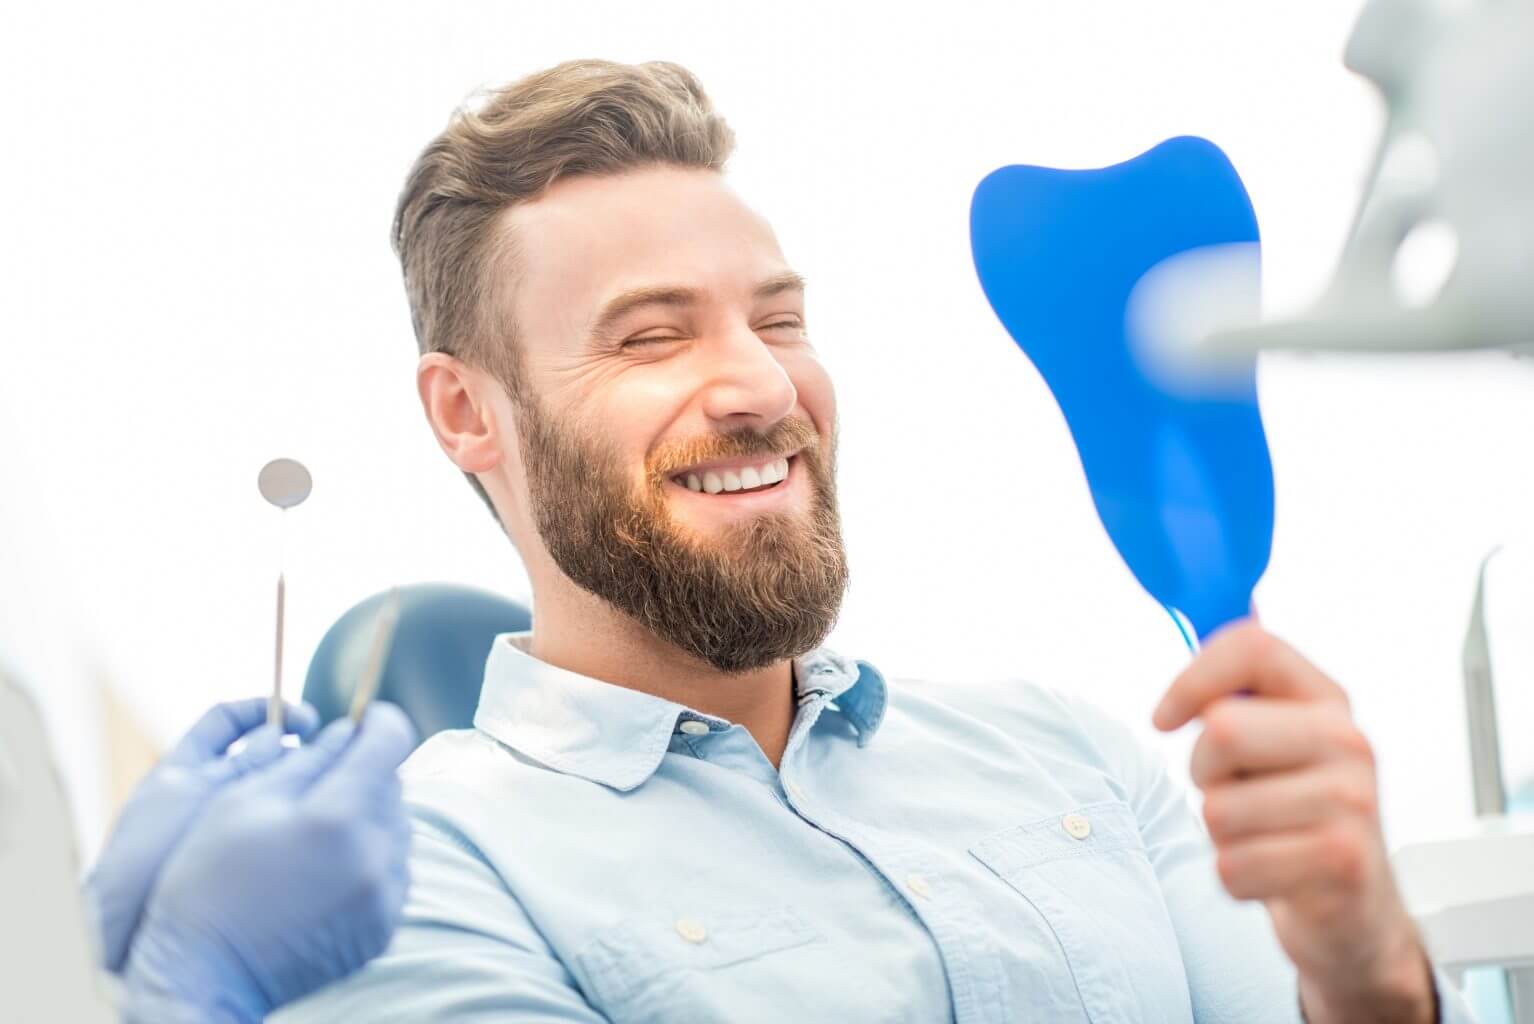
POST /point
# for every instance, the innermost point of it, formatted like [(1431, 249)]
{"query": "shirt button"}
[(691, 929), (1076, 826), (918, 885), (692, 727), (794, 791)]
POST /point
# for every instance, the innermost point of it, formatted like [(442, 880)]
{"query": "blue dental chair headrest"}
[(436, 662)]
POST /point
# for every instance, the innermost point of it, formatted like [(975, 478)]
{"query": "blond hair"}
[(583, 117)]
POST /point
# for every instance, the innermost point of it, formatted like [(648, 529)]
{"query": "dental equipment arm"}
[(1458, 83)]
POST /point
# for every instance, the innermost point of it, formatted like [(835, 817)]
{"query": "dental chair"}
[(436, 661)]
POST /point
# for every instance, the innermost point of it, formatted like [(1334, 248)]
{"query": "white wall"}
[(197, 280)]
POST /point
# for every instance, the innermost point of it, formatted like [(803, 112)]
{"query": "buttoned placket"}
[(950, 914), (722, 743)]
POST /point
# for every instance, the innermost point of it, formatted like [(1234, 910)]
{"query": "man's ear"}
[(459, 405)]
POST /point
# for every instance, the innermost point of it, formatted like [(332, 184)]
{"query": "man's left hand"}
[(1291, 802)]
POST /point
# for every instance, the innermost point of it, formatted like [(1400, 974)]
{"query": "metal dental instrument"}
[(383, 639), (1481, 707), (285, 483)]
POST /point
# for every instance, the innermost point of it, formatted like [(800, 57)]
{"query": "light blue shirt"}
[(925, 853)]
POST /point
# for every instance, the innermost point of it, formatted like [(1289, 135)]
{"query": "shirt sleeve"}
[(465, 951), (1236, 969), (1237, 972)]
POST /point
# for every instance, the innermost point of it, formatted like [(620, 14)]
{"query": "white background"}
[(197, 279)]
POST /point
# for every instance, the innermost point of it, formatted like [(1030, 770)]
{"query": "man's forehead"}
[(589, 240), (649, 201)]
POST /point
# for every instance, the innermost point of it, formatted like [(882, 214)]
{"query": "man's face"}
[(675, 427)]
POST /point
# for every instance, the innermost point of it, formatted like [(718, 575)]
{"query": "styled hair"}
[(582, 117)]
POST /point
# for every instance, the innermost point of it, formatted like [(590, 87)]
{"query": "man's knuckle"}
[(1221, 815), (1221, 727), (1348, 738), (1226, 867), (1260, 645), (1345, 856), (1360, 797), (1235, 874)]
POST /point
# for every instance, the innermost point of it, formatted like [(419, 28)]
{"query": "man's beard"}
[(753, 594)]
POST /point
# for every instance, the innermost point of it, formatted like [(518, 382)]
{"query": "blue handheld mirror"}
[(1182, 481)]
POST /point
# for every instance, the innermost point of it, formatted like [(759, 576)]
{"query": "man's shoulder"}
[(1039, 716), (454, 772), (1019, 702), (447, 754)]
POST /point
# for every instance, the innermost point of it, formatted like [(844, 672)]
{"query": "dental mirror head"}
[(285, 482)]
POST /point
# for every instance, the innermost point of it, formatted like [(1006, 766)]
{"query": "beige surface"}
[(130, 753)]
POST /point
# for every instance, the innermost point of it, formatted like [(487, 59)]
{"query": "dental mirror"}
[(285, 483)]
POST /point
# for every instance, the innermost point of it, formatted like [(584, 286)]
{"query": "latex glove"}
[(161, 809), (295, 876)]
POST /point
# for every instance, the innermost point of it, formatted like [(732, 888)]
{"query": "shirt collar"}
[(616, 736)]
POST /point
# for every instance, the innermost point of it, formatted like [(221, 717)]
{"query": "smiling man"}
[(674, 804)]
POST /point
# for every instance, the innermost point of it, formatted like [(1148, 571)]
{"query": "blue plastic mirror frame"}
[(1184, 487)]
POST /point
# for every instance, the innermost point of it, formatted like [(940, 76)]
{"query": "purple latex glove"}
[(163, 807), (293, 877)]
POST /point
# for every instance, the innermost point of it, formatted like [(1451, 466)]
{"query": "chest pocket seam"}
[(1015, 849), (645, 955), (1020, 857)]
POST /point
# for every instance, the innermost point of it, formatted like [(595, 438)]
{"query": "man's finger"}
[(1286, 802), (224, 723), (1242, 657), (1248, 735), (383, 740), (1278, 865)]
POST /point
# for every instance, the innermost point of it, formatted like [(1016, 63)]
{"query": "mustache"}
[(787, 436)]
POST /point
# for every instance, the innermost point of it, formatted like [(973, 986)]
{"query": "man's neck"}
[(578, 632)]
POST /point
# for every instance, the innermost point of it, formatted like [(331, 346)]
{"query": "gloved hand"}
[(293, 877), (161, 809)]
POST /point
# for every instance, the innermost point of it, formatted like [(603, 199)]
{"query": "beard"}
[(753, 594)]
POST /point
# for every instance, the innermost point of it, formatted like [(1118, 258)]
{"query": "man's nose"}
[(747, 386)]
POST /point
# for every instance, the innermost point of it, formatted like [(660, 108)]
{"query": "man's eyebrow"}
[(786, 282), (624, 303)]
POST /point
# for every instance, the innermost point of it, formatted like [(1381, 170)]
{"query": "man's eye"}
[(649, 339), (791, 324)]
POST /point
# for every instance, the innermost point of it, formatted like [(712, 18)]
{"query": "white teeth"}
[(748, 478)]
